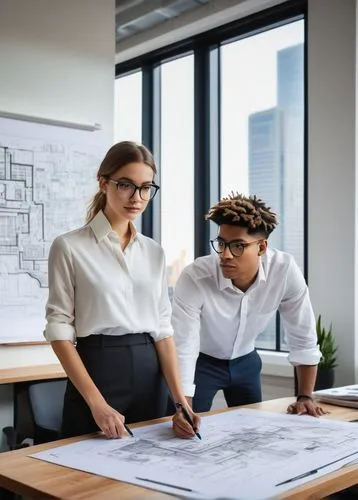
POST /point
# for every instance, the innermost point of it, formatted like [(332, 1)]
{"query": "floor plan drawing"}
[(243, 454), (47, 176)]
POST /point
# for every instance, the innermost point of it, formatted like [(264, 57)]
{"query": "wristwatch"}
[(302, 397)]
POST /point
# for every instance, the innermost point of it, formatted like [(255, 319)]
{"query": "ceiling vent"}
[(134, 16)]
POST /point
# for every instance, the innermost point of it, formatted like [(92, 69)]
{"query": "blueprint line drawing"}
[(244, 454), (47, 177)]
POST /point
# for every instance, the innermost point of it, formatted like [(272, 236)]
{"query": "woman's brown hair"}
[(118, 156)]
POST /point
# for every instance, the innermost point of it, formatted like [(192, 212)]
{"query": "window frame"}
[(206, 49)]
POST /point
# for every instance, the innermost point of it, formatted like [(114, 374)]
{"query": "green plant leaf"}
[(327, 345)]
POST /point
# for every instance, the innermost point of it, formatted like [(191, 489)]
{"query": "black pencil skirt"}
[(126, 370)]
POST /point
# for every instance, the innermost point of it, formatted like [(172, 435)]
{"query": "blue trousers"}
[(238, 378)]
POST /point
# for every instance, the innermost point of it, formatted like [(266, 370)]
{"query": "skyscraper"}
[(290, 102), (276, 159), (276, 153), (265, 162)]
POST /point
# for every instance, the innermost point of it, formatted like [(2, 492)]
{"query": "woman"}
[(108, 294)]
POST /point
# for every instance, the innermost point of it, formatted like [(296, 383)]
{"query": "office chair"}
[(43, 407), (46, 404)]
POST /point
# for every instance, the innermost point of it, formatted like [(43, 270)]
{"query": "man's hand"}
[(306, 407), (181, 426)]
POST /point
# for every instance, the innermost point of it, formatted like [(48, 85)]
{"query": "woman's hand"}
[(110, 421), (182, 427)]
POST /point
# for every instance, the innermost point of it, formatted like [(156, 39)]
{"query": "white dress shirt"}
[(95, 286), (212, 316)]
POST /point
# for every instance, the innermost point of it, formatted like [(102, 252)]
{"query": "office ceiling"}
[(135, 16)]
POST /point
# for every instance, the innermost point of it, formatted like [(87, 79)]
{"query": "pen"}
[(314, 471), (187, 417), (163, 484), (128, 430), (300, 476)]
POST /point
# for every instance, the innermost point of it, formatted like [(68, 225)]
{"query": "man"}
[(223, 301)]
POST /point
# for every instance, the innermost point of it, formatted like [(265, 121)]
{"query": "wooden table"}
[(41, 480), (31, 373)]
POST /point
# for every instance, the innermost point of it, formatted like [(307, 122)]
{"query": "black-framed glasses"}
[(236, 247), (127, 189)]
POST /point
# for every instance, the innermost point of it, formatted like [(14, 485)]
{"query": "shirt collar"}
[(227, 283), (101, 227), (262, 273)]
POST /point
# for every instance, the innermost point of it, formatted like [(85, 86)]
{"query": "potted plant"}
[(328, 348)]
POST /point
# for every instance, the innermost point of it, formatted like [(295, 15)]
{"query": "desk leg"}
[(20, 401), (7, 415), (6, 495), (6, 411), (23, 421)]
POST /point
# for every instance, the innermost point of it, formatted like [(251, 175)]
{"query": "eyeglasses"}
[(236, 248), (128, 189)]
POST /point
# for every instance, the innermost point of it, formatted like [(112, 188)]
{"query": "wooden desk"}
[(31, 373), (41, 480)]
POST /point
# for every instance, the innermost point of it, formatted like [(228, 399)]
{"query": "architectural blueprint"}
[(243, 454), (47, 177)]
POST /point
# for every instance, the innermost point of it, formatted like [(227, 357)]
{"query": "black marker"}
[(187, 417), (163, 484), (300, 476), (314, 471), (128, 430)]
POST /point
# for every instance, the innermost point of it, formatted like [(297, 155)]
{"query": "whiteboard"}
[(47, 178)]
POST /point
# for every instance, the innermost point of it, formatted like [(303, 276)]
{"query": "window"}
[(128, 112), (177, 164), (128, 108), (223, 111), (262, 131)]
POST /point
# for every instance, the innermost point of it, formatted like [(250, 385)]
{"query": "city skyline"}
[(276, 160), (276, 153)]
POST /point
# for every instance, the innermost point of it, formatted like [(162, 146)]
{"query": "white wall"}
[(57, 61), (332, 172)]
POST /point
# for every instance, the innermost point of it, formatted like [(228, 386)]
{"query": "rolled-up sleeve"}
[(165, 309), (60, 304), (187, 305), (298, 320)]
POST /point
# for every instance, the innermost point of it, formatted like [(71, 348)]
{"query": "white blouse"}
[(95, 286)]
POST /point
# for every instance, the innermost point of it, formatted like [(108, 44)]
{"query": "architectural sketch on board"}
[(45, 185)]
